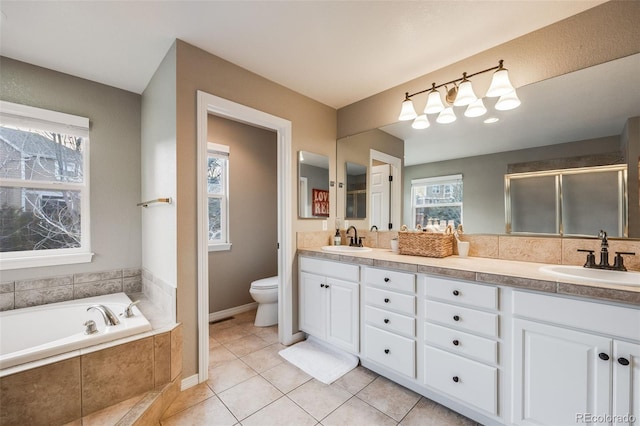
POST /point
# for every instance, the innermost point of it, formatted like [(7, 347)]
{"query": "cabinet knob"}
[(386, 320), (456, 293), (456, 379), (386, 300), (326, 286), (386, 351), (456, 318), (321, 285), (387, 279), (603, 356), (623, 361), (456, 342)]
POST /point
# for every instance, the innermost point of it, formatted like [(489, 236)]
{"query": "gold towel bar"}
[(157, 200)]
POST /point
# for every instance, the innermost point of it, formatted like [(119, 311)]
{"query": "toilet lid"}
[(265, 283)]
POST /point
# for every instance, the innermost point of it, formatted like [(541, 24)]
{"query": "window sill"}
[(39, 261), (220, 247)]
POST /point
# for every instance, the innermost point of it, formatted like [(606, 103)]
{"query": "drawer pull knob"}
[(321, 285), (326, 286), (387, 279), (603, 356), (386, 320), (386, 300), (623, 361), (456, 342), (456, 379), (456, 293), (386, 351), (456, 318)]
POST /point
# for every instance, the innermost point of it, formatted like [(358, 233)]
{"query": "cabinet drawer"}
[(392, 280), (459, 317), (462, 343), (477, 295), (390, 321), (339, 270), (402, 303), (469, 381), (395, 352)]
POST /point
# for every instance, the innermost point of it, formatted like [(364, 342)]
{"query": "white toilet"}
[(265, 292)]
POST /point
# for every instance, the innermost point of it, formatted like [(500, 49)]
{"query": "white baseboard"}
[(216, 316), (189, 382)]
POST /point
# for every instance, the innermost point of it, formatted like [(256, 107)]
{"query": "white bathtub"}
[(30, 334)]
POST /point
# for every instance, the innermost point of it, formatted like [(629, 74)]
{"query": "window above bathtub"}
[(44, 187)]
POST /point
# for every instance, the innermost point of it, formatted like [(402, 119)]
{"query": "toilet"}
[(265, 292)]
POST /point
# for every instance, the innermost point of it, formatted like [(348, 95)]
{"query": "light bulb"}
[(475, 109), (446, 116), (500, 84), (508, 101), (465, 94), (434, 103)]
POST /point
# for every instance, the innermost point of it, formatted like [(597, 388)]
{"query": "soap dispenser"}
[(337, 240)]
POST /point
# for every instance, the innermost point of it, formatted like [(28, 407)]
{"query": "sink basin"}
[(593, 275), (346, 249)]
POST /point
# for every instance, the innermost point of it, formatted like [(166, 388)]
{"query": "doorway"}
[(209, 104), (385, 190)]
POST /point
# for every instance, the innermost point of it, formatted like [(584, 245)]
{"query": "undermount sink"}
[(593, 275), (346, 249)]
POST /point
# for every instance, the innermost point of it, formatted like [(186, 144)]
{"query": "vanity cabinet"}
[(390, 319), (330, 302), (573, 359), (461, 332)]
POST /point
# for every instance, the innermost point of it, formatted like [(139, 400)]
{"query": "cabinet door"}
[(558, 374), (344, 314), (313, 308), (626, 383)]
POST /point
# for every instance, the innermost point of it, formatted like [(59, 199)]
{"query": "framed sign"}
[(320, 202)]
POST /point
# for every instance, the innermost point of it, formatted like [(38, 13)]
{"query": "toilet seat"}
[(265, 284)]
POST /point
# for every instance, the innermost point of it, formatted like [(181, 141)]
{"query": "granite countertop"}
[(491, 271)]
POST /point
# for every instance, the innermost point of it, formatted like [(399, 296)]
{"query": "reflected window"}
[(218, 196), (437, 199)]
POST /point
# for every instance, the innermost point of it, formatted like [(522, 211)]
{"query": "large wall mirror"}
[(584, 118), (313, 186)]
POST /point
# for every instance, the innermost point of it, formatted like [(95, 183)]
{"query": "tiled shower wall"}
[(25, 293)]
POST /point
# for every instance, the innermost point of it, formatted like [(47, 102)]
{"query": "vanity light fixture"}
[(461, 94)]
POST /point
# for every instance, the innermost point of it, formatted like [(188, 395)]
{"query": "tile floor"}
[(250, 384)]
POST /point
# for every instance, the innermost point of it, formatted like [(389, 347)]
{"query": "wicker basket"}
[(427, 244)]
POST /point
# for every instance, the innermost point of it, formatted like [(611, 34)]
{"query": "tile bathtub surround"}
[(160, 293), (24, 293)]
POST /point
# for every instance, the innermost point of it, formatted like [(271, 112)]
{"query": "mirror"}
[(558, 119), (356, 203), (313, 185)]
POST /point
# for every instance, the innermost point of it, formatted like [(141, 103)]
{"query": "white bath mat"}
[(320, 360)]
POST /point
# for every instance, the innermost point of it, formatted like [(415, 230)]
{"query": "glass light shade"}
[(421, 122), (508, 101), (475, 109), (408, 112), (465, 94), (500, 84), (446, 116), (434, 103)]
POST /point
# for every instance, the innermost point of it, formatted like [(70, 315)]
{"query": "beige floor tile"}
[(245, 317), (229, 374), (430, 413), (219, 355), (319, 399), (356, 412), (220, 325), (188, 398), (265, 358), (286, 377), (232, 333), (357, 379), (390, 398), (211, 412), (268, 334), (282, 412), (213, 343), (245, 345), (111, 415), (249, 396)]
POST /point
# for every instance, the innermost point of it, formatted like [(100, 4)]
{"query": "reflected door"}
[(380, 196)]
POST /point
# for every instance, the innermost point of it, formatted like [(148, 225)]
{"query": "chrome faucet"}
[(107, 314), (355, 241), (618, 263)]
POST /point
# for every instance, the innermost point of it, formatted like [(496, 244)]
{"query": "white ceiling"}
[(336, 52)]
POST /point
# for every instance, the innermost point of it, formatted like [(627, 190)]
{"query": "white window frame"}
[(221, 151), (28, 116), (430, 181)]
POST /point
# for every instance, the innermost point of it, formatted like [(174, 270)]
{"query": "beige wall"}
[(603, 33), (253, 213), (114, 117), (313, 129)]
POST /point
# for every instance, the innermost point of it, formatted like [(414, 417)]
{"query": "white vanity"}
[(494, 340)]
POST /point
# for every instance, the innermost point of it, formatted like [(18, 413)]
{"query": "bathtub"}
[(31, 334)]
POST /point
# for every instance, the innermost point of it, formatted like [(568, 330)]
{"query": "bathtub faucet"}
[(109, 317)]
